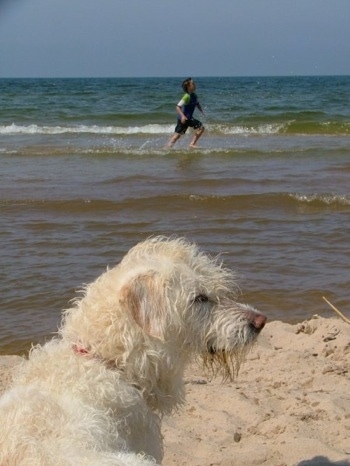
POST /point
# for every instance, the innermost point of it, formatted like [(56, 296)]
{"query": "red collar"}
[(80, 350)]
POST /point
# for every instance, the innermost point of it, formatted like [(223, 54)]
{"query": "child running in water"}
[(185, 109)]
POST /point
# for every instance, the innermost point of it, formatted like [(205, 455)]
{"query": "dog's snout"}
[(257, 320)]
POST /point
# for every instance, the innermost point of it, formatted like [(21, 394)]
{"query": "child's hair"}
[(186, 83)]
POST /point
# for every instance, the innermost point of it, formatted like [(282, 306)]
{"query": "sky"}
[(141, 38)]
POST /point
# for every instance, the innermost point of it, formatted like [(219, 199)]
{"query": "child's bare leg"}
[(196, 136), (173, 139)]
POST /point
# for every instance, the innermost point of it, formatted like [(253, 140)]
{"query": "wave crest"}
[(328, 199)]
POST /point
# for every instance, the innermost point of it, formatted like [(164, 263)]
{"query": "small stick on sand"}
[(337, 311)]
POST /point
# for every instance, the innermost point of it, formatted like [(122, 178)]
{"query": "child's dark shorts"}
[(181, 128)]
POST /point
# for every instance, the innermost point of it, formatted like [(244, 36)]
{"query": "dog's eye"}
[(201, 298)]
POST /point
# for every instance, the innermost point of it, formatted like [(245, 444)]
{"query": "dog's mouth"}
[(226, 356), (237, 343), (223, 362)]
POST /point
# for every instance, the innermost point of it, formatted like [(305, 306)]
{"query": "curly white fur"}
[(95, 394)]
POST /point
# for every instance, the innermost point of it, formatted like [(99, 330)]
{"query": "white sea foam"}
[(86, 129), (251, 130), (14, 129), (328, 199)]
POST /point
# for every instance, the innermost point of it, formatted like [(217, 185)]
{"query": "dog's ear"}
[(144, 298)]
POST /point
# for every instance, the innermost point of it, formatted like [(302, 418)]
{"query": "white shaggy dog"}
[(95, 395)]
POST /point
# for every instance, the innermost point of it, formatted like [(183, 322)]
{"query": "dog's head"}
[(188, 302)]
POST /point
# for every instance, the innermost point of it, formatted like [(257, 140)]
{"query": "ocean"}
[(85, 175)]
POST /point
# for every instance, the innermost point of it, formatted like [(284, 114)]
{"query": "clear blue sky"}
[(78, 38)]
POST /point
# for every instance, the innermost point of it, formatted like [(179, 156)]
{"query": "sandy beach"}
[(289, 406)]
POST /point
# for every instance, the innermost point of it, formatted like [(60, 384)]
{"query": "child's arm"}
[(180, 113), (200, 108)]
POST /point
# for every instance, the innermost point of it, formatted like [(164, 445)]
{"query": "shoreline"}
[(289, 406)]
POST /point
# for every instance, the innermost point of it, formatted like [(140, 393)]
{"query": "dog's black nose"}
[(259, 321), (256, 319)]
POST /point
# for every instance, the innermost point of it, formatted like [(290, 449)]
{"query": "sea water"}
[(85, 175)]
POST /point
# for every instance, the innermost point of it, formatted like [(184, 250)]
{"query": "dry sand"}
[(290, 404)]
